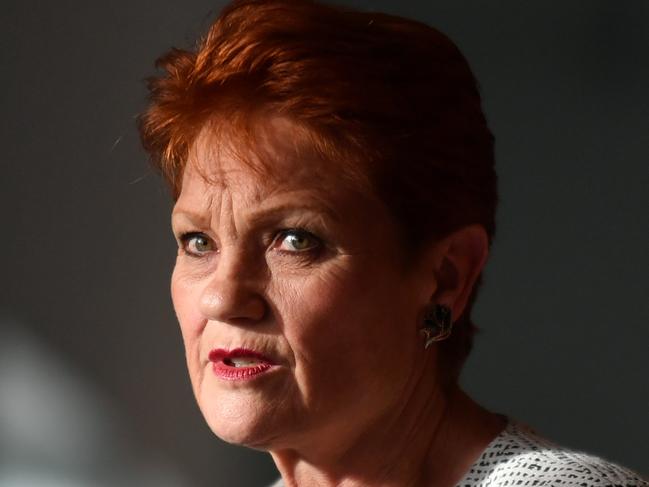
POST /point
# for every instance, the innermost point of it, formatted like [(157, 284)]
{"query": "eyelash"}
[(315, 246), (186, 238)]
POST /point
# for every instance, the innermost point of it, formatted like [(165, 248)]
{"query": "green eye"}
[(297, 241), (196, 244), (202, 244)]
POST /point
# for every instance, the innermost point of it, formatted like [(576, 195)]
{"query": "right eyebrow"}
[(189, 216)]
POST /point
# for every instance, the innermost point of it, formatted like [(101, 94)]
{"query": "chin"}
[(251, 433), (239, 419)]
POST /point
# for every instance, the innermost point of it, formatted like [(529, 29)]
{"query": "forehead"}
[(273, 155)]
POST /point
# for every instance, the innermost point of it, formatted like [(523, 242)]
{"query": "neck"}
[(431, 440)]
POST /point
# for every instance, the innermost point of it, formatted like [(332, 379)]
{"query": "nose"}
[(233, 293)]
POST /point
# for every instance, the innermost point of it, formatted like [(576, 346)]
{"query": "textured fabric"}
[(520, 457)]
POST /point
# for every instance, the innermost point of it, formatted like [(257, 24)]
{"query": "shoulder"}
[(519, 456)]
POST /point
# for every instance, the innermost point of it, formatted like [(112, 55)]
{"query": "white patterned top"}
[(520, 457)]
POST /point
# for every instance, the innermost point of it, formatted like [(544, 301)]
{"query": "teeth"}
[(242, 362)]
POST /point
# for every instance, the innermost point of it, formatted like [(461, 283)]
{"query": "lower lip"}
[(227, 372)]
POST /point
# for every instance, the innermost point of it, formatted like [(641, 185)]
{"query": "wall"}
[(87, 251)]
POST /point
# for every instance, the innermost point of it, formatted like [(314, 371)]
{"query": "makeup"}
[(238, 364)]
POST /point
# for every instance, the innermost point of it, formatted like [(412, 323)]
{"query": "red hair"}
[(391, 98)]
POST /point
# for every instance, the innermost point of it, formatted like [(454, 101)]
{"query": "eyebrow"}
[(191, 216), (260, 216), (273, 211)]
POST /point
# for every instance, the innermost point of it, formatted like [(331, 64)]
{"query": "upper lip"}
[(219, 354)]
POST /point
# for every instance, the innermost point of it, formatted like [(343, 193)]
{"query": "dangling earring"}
[(437, 324)]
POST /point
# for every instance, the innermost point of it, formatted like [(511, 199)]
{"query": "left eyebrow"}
[(271, 210)]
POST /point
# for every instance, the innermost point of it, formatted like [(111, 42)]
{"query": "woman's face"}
[(299, 319)]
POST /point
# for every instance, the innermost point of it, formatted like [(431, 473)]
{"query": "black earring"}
[(437, 324)]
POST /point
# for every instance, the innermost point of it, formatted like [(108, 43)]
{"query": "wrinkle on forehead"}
[(266, 147), (273, 147), (277, 165)]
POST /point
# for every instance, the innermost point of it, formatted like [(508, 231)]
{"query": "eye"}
[(296, 240), (196, 244)]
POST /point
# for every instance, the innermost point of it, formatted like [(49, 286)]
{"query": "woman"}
[(335, 195)]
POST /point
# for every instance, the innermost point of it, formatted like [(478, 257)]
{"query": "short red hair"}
[(392, 95)]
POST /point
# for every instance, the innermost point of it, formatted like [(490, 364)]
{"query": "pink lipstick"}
[(238, 364)]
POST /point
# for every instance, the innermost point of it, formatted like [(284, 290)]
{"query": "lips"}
[(239, 363)]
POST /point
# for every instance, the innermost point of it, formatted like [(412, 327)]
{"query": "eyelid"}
[(282, 234), (184, 239)]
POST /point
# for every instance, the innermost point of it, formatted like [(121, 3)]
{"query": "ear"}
[(458, 260)]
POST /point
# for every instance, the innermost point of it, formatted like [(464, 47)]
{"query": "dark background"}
[(87, 250)]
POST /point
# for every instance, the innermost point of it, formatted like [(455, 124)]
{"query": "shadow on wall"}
[(57, 430)]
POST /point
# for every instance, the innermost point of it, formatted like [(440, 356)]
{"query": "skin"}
[(336, 310)]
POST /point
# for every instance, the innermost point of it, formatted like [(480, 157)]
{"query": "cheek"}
[(184, 296), (344, 327), (361, 307)]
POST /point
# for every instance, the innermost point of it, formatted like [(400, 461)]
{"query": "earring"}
[(437, 324)]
